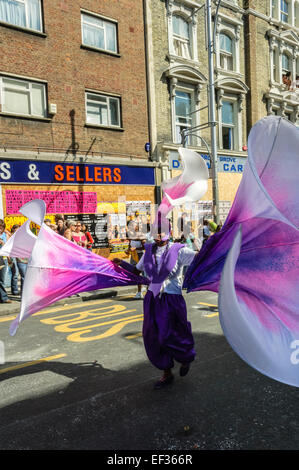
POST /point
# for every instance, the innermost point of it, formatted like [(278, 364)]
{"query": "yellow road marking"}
[(32, 363), (7, 318), (210, 315), (209, 305), (137, 335)]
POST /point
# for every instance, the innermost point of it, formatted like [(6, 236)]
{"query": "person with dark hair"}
[(167, 334), (4, 236)]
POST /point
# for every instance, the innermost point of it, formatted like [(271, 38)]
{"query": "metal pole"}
[(211, 95)]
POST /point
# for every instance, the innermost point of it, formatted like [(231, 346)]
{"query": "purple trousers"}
[(167, 334)]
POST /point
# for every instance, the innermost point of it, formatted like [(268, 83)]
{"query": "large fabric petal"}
[(58, 268), (267, 268), (190, 186)]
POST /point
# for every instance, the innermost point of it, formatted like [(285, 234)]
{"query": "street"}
[(76, 377)]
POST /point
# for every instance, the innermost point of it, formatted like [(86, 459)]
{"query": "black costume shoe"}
[(163, 382), (184, 369)]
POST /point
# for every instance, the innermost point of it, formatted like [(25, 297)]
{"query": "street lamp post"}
[(212, 120)]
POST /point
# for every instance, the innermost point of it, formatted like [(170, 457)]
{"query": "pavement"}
[(14, 307)]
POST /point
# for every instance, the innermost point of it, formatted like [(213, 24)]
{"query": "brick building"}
[(74, 115)]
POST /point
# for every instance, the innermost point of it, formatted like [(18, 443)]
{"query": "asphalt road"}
[(76, 377)]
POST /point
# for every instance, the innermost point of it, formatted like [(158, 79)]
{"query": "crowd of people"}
[(13, 269)]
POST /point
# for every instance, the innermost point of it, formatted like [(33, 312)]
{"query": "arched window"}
[(181, 37), (226, 52)]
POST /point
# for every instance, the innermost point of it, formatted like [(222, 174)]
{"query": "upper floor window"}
[(23, 97), (23, 13), (284, 11), (103, 110), (99, 33), (181, 37), (226, 52), (228, 125), (183, 118)]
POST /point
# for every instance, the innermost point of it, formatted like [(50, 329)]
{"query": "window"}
[(23, 97), (228, 125), (23, 13), (183, 120), (99, 33), (226, 52), (284, 11), (181, 37), (286, 71), (103, 110)]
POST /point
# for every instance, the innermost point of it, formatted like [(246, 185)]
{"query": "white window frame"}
[(189, 13), (185, 44), (25, 2), (276, 12), (232, 28), (236, 126), (105, 22), (227, 55), (29, 83), (108, 99), (191, 119)]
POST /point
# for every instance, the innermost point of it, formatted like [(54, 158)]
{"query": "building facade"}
[(180, 82), (74, 107), (255, 53)]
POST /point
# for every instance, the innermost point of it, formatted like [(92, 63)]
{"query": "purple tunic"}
[(167, 334)]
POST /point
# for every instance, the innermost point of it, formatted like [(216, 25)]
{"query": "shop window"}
[(99, 33), (228, 125), (22, 97), (181, 37), (103, 110), (226, 52), (22, 13), (183, 118)]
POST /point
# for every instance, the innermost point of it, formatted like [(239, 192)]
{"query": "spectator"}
[(12, 269), (79, 236), (22, 263), (48, 222), (60, 226), (69, 230), (4, 236), (89, 238), (206, 231)]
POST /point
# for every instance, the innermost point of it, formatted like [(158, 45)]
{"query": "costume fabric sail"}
[(252, 262), (258, 281), (58, 268)]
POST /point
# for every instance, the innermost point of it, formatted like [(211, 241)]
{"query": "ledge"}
[(23, 30), (24, 116), (108, 128), (101, 51)]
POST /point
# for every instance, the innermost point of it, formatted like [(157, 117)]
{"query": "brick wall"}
[(69, 69)]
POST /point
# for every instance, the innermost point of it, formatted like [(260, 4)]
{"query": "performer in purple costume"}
[(167, 334)]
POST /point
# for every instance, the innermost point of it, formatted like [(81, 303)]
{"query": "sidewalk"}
[(14, 307)]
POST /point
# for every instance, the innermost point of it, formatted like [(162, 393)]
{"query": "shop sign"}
[(28, 171), (226, 164)]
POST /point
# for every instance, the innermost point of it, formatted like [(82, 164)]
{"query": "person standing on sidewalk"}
[(4, 236), (167, 333)]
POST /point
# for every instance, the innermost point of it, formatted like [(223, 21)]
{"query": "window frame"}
[(108, 97), (236, 126), (190, 92), (30, 82), (225, 54), (105, 21), (27, 28), (186, 41)]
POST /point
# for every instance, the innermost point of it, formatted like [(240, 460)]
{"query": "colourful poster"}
[(58, 202)]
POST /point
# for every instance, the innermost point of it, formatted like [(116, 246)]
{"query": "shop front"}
[(103, 197)]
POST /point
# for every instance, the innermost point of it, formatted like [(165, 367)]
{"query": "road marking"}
[(209, 315), (32, 363), (137, 335), (7, 318)]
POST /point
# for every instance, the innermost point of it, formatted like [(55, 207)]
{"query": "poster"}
[(96, 225), (57, 202)]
